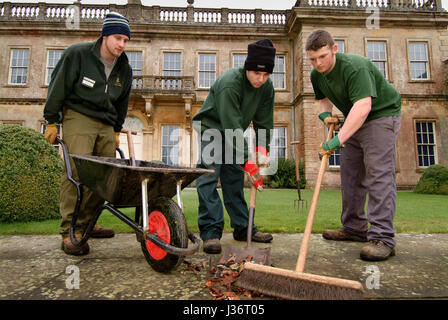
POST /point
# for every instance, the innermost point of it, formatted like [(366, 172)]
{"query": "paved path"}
[(34, 267)]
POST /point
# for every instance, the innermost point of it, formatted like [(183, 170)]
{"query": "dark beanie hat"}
[(260, 56), (115, 23)]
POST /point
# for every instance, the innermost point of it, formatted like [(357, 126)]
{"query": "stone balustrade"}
[(163, 84), (139, 13), (401, 5), (196, 16)]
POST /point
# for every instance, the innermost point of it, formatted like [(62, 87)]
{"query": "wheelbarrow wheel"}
[(167, 220)]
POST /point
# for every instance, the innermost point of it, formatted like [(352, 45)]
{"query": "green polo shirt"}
[(355, 77)]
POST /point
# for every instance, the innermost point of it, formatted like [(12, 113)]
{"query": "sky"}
[(238, 4)]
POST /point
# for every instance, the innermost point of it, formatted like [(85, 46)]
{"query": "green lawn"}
[(416, 213)]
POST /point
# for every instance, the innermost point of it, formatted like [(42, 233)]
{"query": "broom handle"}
[(309, 222)]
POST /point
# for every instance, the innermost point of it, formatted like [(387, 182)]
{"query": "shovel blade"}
[(256, 255)]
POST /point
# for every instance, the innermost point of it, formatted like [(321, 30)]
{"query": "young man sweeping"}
[(372, 111), (237, 98)]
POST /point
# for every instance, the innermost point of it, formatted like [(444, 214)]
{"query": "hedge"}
[(285, 176), (434, 180), (30, 173)]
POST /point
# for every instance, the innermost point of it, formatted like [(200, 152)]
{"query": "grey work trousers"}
[(368, 164)]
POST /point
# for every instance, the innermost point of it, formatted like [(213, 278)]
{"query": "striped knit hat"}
[(115, 23)]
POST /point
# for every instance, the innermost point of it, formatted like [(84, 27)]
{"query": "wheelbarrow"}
[(159, 222)]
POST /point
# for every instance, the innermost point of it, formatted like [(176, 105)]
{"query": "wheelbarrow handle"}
[(78, 186)]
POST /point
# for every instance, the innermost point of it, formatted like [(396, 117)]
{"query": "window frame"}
[(427, 42), (179, 142), (337, 153), (434, 144), (387, 49), (199, 53), (10, 67), (285, 147), (47, 67), (284, 55), (233, 54)]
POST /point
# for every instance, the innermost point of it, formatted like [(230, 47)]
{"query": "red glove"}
[(254, 174)]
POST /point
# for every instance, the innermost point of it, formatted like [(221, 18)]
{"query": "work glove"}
[(254, 174), (262, 157), (117, 139), (51, 132), (329, 146), (328, 119)]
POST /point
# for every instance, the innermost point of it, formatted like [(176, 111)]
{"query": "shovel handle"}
[(309, 222), (250, 222), (130, 145)]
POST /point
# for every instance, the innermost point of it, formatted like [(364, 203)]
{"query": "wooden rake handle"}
[(130, 145), (309, 222)]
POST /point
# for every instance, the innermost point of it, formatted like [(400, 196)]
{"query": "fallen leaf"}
[(210, 282)]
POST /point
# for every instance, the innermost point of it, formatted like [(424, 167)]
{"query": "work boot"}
[(376, 250), (212, 246), (342, 235), (256, 237), (100, 232), (69, 248)]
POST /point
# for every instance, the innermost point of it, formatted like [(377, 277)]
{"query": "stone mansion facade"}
[(177, 52)]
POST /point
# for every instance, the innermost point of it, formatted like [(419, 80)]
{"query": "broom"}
[(296, 284)]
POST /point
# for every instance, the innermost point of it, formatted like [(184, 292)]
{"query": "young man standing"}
[(237, 98), (90, 87), (372, 111)]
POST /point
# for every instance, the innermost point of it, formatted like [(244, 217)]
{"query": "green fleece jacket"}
[(233, 103), (79, 82)]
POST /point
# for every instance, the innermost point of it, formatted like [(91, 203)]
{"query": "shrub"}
[(285, 177), (30, 173), (434, 180)]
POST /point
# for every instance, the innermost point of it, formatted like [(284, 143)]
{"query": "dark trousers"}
[(368, 167), (211, 213)]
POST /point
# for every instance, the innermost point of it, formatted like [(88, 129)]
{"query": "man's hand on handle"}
[(328, 119), (254, 174), (328, 147), (51, 132)]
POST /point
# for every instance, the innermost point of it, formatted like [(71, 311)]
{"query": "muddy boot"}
[(342, 235), (376, 250), (100, 232), (69, 248), (256, 237), (212, 246)]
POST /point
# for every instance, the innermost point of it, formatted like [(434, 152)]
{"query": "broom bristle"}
[(294, 285)]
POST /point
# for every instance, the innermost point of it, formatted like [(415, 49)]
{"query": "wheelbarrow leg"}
[(178, 193), (145, 205)]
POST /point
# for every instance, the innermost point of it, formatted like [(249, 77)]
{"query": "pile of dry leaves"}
[(222, 283)]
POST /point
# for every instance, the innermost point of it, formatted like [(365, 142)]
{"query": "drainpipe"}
[(294, 129)]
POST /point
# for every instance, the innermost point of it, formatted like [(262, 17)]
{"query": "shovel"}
[(256, 255)]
